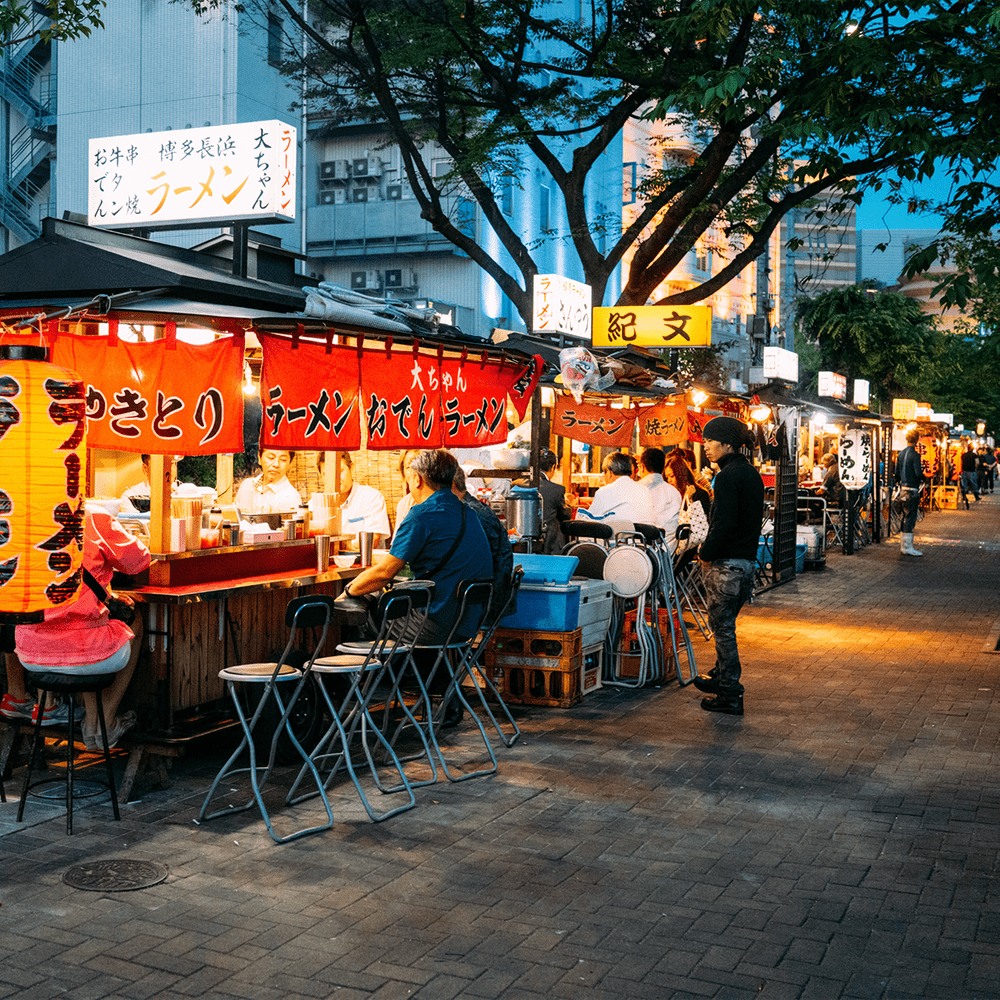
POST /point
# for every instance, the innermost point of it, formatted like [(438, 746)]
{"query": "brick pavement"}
[(840, 840)]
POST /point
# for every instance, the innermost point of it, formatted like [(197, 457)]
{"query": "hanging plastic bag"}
[(579, 371)]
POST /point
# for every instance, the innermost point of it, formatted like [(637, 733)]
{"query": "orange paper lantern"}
[(42, 450)]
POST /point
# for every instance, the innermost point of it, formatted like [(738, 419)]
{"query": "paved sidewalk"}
[(840, 840)]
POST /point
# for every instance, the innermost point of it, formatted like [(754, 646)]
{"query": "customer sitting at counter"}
[(362, 508), (622, 498), (442, 540), (80, 638), (271, 491)]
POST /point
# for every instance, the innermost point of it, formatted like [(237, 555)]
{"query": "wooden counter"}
[(195, 629)]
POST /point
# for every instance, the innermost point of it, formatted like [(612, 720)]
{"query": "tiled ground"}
[(840, 840)]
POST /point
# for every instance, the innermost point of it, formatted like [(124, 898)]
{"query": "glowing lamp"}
[(43, 427)]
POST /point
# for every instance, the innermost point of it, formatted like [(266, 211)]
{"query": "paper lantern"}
[(855, 458), (43, 425)]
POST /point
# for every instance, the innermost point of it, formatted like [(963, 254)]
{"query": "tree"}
[(882, 337), (54, 20), (780, 101)]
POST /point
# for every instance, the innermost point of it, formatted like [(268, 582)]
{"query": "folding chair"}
[(690, 589), (310, 612), (398, 611)]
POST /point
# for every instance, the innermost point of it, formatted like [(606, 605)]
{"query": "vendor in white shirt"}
[(271, 491), (622, 498), (362, 508), (666, 499), (141, 490)]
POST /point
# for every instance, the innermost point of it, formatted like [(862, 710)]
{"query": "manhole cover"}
[(115, 875)]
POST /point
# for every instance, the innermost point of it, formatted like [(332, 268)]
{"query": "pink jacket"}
[(81, 632)]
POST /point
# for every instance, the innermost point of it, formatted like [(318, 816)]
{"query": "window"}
[(275, 39), (628, 183)]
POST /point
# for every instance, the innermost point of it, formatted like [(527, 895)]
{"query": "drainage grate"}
[(115, 875)]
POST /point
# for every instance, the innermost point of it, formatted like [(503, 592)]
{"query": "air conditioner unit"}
[(394, 192), (341, 170), (400, 278), (374, 166), (327, 198), (339, 196), (328, 170), (361, 166), (366, 280), (359, 194)]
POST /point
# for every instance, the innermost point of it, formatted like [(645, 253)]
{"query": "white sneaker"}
[(117, 729)]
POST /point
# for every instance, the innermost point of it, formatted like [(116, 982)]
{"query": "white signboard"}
[(779, 363), (862, 392), (561, 305), (832, 384), (217, 175)]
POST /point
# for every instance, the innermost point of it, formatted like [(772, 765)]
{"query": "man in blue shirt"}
[(442, 541)]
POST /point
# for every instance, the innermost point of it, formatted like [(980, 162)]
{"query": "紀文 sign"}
[(195, 176), (653, 326)]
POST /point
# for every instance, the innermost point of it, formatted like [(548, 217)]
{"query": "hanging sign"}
[(663, 425), (930, 459), (781, 364), (560, 305), (653, 326), (309, 396), (833, 385), (904, 409), (161, 398), (862, 393), (855, 458), (195, 175), (601, 426)]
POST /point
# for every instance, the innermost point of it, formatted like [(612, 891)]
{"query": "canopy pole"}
[(160, 467), (536, 436)]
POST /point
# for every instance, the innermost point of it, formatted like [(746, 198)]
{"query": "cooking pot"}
[(524, 512)]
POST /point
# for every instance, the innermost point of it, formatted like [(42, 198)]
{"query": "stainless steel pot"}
[(524, 512)]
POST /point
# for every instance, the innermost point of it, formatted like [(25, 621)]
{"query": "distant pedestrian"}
[(968, 483), (910, 477), (729, 556)]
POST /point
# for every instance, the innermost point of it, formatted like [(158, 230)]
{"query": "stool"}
[(68, 684)]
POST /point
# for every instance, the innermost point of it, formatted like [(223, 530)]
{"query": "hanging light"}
[(761, 413), (698, 397), (249, 389), (43, 423)]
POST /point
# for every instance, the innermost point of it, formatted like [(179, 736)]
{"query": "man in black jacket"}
[(729, 556)]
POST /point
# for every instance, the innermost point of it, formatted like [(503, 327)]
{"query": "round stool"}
[(68, 684)]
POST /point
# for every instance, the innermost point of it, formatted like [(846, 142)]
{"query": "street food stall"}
[(332, 378)]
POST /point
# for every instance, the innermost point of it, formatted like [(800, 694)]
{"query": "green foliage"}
[(54, 20), (774, 102)]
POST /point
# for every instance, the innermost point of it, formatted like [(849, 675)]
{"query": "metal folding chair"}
[(311, 612), (398, 610)]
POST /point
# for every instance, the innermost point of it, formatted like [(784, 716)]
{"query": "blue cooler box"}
[(551, 601)]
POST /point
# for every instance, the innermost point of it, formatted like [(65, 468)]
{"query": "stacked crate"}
[(629, 652)]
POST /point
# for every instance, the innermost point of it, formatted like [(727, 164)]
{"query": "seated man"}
[(496, 535), (80, 638), (622, 498), (362, 508), (666, 500), (441, 540)]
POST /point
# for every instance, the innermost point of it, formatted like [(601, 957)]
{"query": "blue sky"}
[(875, 213)]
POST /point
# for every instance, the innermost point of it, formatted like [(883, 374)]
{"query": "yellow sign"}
[(904, 409), (653, 326)]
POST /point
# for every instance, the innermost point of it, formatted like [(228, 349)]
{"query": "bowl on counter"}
[(344, 560)]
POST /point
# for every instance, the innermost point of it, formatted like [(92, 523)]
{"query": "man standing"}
[(554, 509), (969, 483), (910, 476), (665, 498), (622, 498), (729, 556)]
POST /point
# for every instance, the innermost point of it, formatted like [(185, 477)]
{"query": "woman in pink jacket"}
[(80, 638)]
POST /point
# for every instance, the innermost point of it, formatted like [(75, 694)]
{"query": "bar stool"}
[(68, 685), (310, 612)]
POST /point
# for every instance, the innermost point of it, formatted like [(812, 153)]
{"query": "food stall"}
[(333, 378)]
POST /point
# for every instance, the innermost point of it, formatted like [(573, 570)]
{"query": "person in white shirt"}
[(362, 508), (271, 491), (666, 500), (622, 498), (141, 490)]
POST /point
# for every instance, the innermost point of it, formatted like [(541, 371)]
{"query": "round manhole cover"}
[(115, 875)]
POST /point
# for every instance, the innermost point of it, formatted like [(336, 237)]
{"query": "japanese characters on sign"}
[(653, 326), (159, 398), (904, 409), (199, 175), (663, 425), (560, 305), (833, 385), (602, 426)]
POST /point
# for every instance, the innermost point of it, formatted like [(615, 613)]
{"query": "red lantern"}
[(43, 424)]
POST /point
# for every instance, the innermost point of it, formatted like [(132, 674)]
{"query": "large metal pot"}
[(524, 512)]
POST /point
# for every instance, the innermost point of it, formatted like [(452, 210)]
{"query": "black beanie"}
[(726, 430)]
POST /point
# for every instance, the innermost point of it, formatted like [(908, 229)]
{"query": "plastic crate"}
[(536, 682), (592, 670), (947, 497), (533, 644)]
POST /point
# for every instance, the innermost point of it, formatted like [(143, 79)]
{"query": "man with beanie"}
[(910, 476), (729, 556)]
